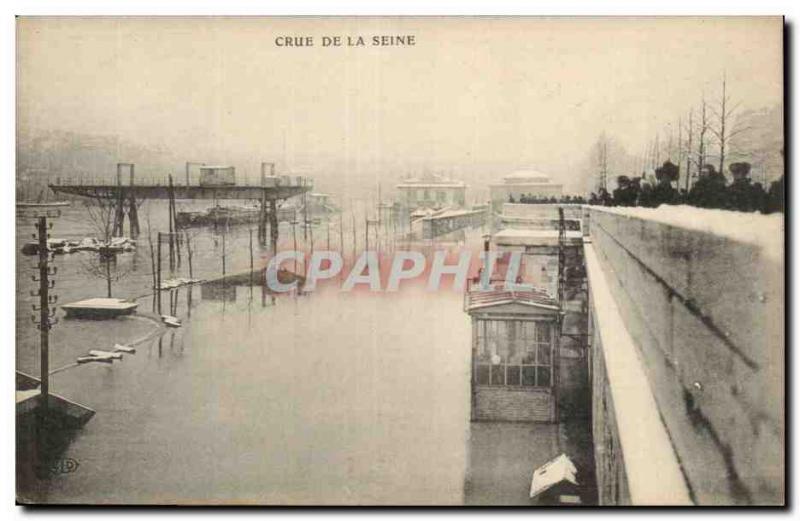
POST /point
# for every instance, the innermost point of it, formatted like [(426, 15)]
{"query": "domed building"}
[(523, 182)]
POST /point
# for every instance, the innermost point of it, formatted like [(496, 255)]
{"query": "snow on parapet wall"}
[(701, 294), (764, 231)]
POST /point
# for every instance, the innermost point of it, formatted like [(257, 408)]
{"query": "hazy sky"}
[(477, 97)]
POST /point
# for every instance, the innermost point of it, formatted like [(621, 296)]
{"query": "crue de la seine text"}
[(408, 40)]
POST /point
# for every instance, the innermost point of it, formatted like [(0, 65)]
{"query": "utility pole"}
[(171, 226), (174, 219), (153, 257), (262, 222), (311, 235), (294, 240), (44, 314), (223, 249), (366, 234), (328, 226), (341, 233), (158, 271), (189, 254), (305, 217), (251, 257)]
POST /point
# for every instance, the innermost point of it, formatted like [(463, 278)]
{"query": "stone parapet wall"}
[(705, 309)]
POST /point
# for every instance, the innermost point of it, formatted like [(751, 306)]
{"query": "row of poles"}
[(379, 233)]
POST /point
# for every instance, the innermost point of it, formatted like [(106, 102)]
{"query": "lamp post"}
[(294, 239)]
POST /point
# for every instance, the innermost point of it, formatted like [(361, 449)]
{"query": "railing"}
[(279, 181)]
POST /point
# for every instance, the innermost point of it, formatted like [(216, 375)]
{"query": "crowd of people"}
[(710, 190), (536, 199)]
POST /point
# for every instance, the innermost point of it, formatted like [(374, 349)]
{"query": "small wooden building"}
[(514, 354)]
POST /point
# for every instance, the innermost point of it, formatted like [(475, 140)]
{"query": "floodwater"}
[(326, 398)]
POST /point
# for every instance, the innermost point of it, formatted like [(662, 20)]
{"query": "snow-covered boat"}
[(54, 204), (124, 349), (171, 321)]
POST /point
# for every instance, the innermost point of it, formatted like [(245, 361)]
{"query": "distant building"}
[(532, 229), (523, 182), (432, 192)]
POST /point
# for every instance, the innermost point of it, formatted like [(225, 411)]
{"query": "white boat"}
[(87, 359), (177, 283), (100, 308), (54, 204), (171, 321), (124, 349), (106, 354)]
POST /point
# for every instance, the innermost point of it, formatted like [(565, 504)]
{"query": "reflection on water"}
[(326, 398), (321, 399)]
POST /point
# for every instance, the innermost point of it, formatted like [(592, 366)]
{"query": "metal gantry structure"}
[(562, 256), (130, 196)]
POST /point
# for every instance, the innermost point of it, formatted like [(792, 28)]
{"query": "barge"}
[(221, 215), (99, 308)]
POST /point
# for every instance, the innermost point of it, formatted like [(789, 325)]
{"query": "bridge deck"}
[(112, 191)]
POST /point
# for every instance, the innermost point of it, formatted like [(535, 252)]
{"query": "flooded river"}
[(327, 398)]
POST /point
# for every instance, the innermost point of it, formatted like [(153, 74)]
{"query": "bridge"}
[(276, 192), (125, 198)]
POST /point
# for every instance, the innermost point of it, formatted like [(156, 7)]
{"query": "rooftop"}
[(527, 176), (530, 296), (527, 236), (551, 473), (435, 180), (101, 303)]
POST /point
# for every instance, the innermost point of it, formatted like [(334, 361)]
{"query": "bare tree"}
[(701, 135), (689, 131), (656, 154), (101, 214), (670, 145), (104, 264), (724, 130), (679, 157), (602, 162)]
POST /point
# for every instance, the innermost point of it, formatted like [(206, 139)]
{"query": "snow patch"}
[(764, 231)]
